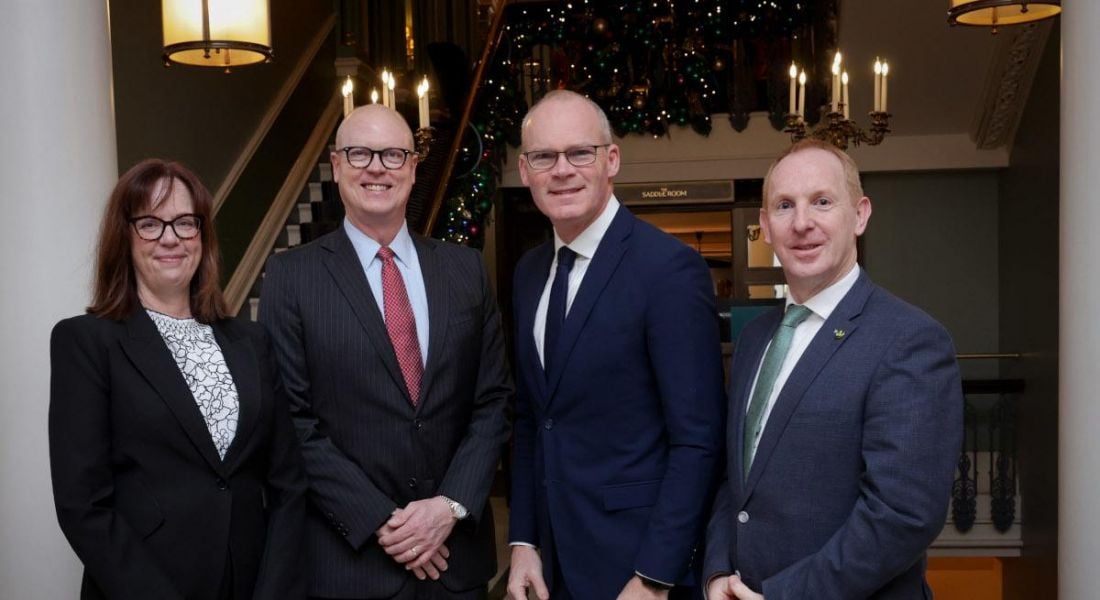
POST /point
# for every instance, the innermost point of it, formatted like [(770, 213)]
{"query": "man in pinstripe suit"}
[(393, 359)]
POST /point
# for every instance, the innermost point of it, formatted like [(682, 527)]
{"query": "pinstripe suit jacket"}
[(367, 449)]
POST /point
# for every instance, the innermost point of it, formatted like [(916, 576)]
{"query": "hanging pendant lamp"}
[(216, 33), (995, 13)]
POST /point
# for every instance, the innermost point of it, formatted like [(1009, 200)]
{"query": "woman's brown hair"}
[(115, 294)]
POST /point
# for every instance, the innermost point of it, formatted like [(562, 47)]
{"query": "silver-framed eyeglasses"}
[(580, 156), (361, 157), (151, 229)]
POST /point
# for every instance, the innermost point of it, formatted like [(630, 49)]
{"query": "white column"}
[(58, 162), (1079, 329)]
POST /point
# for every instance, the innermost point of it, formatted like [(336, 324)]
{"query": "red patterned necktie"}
[(401, 324)]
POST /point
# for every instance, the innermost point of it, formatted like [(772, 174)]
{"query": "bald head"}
[(572, 196), (373, 117), (565, 100), (374, 195)]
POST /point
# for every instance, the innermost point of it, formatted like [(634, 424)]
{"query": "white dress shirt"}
[(585, 246), (408, 264), (821, 306)]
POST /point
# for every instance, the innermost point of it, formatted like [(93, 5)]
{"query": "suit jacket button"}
[(742, 517), (419, 424), (412, 482), (549, 424), (222, 484)]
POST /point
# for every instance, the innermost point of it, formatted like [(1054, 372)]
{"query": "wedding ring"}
[(415, 550)]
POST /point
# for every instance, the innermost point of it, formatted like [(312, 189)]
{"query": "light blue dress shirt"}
[(408, 264)]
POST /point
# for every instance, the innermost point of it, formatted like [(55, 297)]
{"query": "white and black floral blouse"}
[(200, 359)]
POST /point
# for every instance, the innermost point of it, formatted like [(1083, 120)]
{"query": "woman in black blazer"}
[(176, 473)]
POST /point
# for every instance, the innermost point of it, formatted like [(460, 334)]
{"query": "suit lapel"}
[(608, 256), (529, 288), (754, 354), (246, 376), (149, 354), (343, 264), (435, 279), (813, 360)]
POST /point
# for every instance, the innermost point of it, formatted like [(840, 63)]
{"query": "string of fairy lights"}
[(651, 64)]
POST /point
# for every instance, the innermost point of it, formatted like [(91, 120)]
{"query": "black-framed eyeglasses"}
[(360, 157), (151, 229), (581, 156)]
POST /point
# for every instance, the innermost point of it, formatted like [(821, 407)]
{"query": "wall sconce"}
[(216, 33), (994, 13)]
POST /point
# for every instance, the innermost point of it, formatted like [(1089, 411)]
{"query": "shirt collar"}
[(367, 248), (586, 243), (825, 302)]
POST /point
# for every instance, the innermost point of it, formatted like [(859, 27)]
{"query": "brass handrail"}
[(487, 53), (274, 221), (273, 111)]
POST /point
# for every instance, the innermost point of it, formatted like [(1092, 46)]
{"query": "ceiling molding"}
[(1008, 84), (725, 154)]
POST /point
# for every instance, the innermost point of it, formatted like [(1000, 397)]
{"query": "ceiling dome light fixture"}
[(995, 13), (216, 33)]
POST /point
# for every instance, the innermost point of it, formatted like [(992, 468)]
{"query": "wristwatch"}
[(457, 510)]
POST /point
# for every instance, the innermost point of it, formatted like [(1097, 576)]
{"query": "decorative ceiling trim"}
[(1008, 84)]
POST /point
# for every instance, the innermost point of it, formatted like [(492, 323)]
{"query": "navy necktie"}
[(555, 308)]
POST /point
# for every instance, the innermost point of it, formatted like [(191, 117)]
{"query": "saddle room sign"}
[(680, 192)]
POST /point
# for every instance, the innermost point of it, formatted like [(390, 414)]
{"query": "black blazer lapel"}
[(435, 276), (816, 356), (608, 256), (241, 360), (343, 264), (149, 354)]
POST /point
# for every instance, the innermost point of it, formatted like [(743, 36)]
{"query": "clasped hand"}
[(413, 536)]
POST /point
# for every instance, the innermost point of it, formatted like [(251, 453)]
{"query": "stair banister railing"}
[(492, 41)]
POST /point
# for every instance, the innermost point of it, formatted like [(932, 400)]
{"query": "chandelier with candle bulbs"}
[(836, 126), (389, 99)]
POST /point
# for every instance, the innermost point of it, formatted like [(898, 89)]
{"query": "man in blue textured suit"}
[(391, 350), (845, 413), (619, 406)]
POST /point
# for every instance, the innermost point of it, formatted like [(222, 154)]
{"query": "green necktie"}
[(769, 370)]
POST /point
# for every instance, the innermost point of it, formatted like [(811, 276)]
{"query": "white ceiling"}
[(937, 72)]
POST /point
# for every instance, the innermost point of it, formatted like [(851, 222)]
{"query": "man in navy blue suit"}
[(619, 406), (845, 416)]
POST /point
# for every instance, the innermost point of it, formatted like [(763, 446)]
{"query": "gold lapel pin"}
[(839, 333)]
